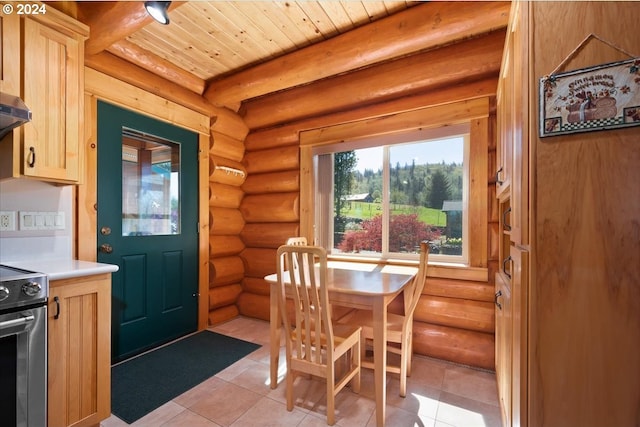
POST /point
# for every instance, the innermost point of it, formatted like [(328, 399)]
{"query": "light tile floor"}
[(439, 394)]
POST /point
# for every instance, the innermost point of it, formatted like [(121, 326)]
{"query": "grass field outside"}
[(364, 210)]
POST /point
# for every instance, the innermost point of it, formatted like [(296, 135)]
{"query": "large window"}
[(385, 197)]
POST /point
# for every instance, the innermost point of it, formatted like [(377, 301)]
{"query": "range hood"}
[(13, 113)]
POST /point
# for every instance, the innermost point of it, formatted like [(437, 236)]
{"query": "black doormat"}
[(142, 384)]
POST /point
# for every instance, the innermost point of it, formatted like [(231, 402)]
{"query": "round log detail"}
[(252, 305), (429, 70), (225, 270), (226, 171), (289, 134), (229, 123), (268, 234), (225, 146), (272, 160), (458, 313), (225, 221), (273, 182), (225, 196), (259, 262), (280, 136), (277, 207), (462, 289), (220, 246), (221, 296), (455, 345), (223, 314), (256, 285)]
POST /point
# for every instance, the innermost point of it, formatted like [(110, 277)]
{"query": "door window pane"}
[(150, 185)]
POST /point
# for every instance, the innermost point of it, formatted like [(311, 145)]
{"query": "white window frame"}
[(323, 167)]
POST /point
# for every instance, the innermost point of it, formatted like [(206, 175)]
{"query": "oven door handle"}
[(16, 322)]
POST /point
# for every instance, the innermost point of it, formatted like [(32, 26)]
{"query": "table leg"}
[(380, 358), (274, 341)]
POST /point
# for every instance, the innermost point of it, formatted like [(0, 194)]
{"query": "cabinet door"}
[(519, 179), (504, 340), (79, 377), (504, 147), (52, 90), (519, 352), (9, 54), (10, 79)]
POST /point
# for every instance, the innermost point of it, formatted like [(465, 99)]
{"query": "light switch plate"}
[(41, 220), (28, 220)]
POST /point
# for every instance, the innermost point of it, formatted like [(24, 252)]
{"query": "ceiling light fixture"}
[(158, 10)]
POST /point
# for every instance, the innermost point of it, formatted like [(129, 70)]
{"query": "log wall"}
[(455, 317), (226, 176)]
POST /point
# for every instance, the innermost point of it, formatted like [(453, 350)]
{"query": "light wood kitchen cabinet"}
[(512, 191), (79, 334), (51, 83), (512, 117), (518, 385)]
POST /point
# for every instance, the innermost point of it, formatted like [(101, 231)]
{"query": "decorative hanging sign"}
[(601, 97)]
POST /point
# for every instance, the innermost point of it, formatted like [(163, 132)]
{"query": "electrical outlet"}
[(7, 221)]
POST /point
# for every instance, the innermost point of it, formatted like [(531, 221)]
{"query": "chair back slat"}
[(298, 241)]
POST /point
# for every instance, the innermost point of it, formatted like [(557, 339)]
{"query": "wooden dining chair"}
[(314, 345), (399, 326)]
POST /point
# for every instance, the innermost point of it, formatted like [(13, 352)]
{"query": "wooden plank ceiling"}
[(227, 52), (218, 38), (207, 40)]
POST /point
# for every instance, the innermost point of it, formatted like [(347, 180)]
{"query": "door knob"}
[(106, 248), (105, 231)]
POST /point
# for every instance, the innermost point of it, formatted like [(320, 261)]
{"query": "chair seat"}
[(365, 320), (341, 333)]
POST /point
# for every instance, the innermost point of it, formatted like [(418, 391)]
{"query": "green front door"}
[(147, 225)]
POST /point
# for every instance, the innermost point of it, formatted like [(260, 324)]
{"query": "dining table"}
[(367, 286)]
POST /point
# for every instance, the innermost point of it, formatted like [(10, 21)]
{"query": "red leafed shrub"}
[(405, 231)]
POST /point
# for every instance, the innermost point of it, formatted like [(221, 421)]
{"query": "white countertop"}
[(57, 269)]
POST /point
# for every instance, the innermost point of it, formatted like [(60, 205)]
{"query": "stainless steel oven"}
[(23, 347)]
